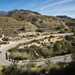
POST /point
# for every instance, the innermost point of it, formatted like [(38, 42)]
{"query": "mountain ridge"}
[(28, 21)]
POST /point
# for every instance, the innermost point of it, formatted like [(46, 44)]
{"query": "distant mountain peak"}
[(3, 13), (64, 17), (23, 11)]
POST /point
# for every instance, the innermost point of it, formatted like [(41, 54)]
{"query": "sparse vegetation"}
[(52, 69), (22, 21)]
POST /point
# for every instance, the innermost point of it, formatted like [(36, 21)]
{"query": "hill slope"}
[(28, 21)]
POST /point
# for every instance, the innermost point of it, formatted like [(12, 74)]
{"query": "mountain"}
[(69, 21), (22, 11), (3, 13), (64, 17), (28, 21)]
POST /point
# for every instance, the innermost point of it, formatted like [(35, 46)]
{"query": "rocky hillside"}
[(27, 21), (70, 22), (41, 45)]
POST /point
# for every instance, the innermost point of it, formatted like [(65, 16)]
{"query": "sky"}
[(46, 7)]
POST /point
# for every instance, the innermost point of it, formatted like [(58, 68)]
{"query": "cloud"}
[(49, 5)]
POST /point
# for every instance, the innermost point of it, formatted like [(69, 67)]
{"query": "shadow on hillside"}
[(69, 70)]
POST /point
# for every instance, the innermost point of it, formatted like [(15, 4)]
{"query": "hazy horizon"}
[(45, 7)]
